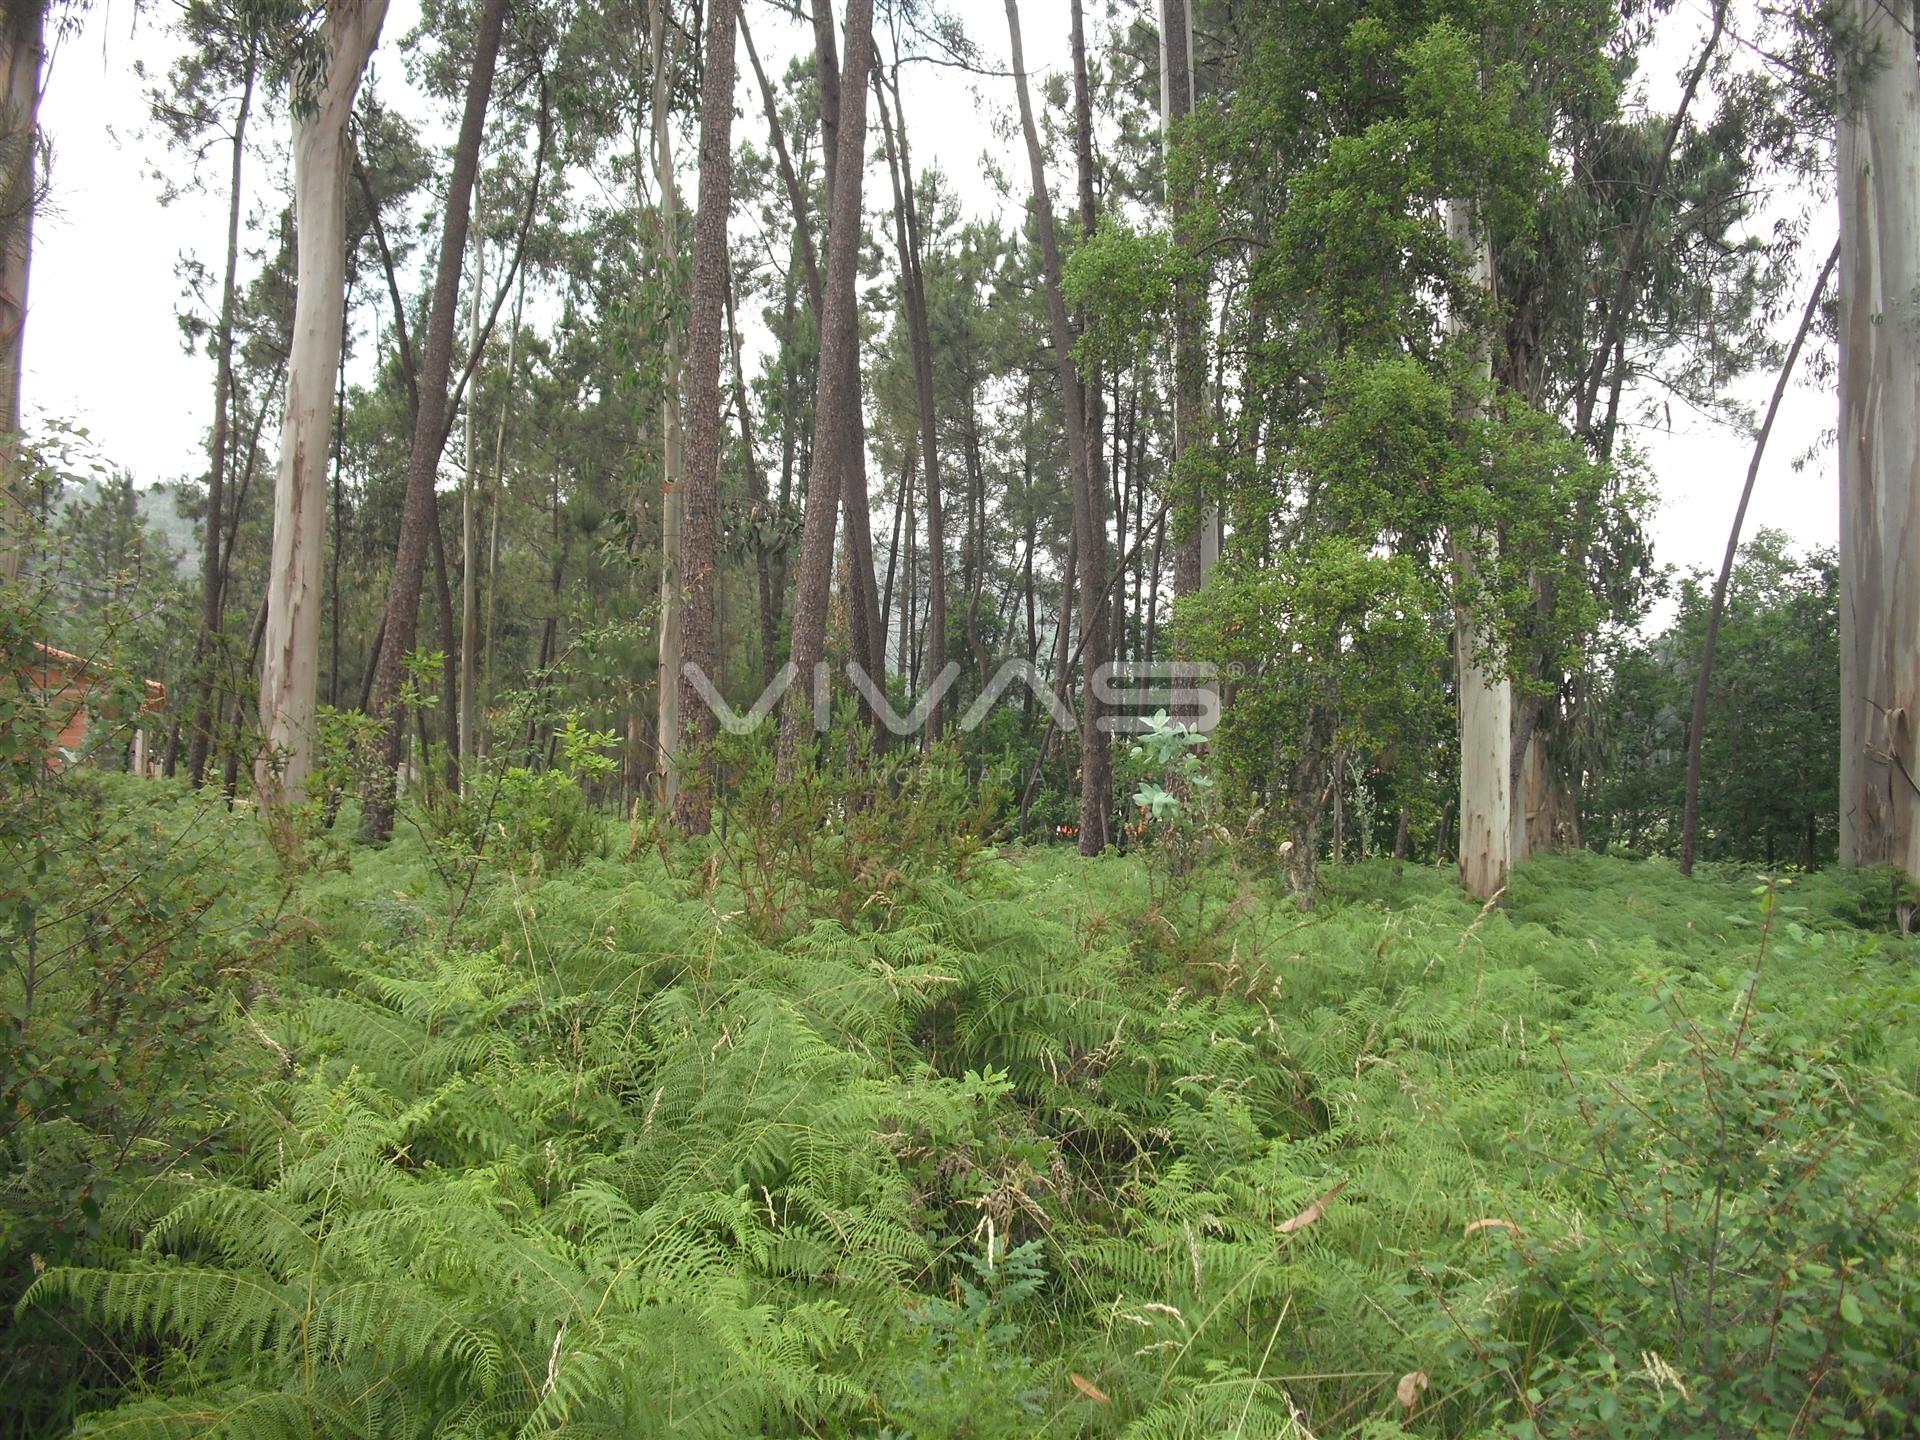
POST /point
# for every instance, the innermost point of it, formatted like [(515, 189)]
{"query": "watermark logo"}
[(1129, 693)]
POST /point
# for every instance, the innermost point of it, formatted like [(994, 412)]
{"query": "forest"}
[(934, 718)]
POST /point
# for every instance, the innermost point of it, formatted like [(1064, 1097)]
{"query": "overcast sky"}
[(104, 350)]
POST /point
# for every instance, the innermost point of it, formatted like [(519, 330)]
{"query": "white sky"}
[(104, 350)]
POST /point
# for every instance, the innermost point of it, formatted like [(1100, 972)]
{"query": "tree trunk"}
[(1090, 539), (667, 724), (496, 484), (1485, 693), (833, 432), (862, 586), (906, 231), (212, 597), (1628, 282), (769, 604), (419, 520), (700, 539), (469, 534), (290, 676), (22, 53), (796, 198), (1189, 351), (1697, 728), (339, 517), (449, 647), (1878, 164)]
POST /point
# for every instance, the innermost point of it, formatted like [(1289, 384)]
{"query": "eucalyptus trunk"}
[(1191, 519), (1878, 175), (22, 56), (769, 603), (1485, 691), (290, 642)]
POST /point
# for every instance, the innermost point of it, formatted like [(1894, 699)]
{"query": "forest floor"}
[(1011, 1143)]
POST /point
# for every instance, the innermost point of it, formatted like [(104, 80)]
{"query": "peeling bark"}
[(1878, 165), (290, 644)]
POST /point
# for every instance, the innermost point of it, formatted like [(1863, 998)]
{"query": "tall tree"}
[(1189, 344), (700, 540), (667, 212), (1485, 692), (223, 57), (469, 725), (22, 53), (1703, 677), (769, 603), (863, 595), (290, 676), (420, 519), (833, 428), (1878, 165), (913, 297), (1089, 531)]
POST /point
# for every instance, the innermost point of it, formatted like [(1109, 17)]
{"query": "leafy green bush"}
[(123, 954)]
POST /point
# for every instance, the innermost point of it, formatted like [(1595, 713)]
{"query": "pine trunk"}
[(469, 533), (700, 538), (906, 229), (212, 590), (834, 410), (667, 718), (1089, 542), (419, 519)]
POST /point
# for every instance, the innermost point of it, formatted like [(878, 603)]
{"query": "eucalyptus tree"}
[(332, 48), (1877, 161), (22, 56), (1352, 400)]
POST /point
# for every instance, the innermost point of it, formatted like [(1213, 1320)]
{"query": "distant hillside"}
[(160, 512)]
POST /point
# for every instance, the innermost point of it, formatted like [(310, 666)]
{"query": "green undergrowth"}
[(1010, 1143)]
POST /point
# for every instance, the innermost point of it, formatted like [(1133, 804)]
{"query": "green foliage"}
[(124, 951), (1125, 282), (1324, 645), (906, 1137), (1768, 789)]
